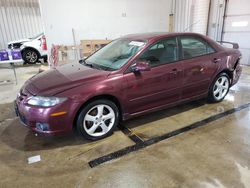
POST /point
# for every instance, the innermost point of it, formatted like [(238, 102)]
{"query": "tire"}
[(219, 88), (98, 119), (30, 56)]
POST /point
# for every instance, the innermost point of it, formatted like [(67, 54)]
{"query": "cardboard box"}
[(90, 46)]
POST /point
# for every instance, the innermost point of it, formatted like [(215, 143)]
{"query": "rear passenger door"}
[(198, 66)]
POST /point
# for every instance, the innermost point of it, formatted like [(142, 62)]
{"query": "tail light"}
[(44, 45)]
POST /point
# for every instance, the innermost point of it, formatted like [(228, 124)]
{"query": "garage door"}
[(200, 16), (237, 26)]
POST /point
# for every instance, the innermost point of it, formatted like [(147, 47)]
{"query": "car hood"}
[(19, 41), (54, 81)]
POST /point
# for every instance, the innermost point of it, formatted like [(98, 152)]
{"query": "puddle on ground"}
[(244, 173)]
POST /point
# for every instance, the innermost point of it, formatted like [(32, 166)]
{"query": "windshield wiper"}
[(82, 61), (88, 65), (94, 66), (99, 67)]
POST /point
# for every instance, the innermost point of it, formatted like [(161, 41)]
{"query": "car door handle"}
[(216, 60), (174, 71)]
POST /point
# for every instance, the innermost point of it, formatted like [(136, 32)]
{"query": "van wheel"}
[(219, 88), (30, 56), (98, 119)]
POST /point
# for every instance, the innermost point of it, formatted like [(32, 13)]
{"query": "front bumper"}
[(39, 119)]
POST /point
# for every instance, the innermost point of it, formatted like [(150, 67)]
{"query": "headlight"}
[(45, 101)]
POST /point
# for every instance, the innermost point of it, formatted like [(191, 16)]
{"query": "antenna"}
[(191, 25)]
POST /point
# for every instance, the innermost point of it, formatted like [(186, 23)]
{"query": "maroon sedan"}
[(133, 75)]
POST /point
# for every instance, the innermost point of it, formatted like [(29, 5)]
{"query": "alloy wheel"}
[(99, 120), (221, 87), (31, 56)]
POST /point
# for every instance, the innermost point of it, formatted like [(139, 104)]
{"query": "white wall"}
[(100, 19)]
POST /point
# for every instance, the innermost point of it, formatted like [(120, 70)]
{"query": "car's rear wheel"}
[(98, 119), (219, 88), (30, 56)]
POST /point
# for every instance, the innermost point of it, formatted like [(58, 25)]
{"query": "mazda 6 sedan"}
[(131, 76)]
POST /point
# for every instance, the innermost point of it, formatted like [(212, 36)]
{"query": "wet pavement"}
[(215, 155)]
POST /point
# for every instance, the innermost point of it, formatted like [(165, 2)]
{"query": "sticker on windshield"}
[(136, 43)]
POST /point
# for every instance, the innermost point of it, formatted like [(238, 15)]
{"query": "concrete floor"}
[(215, 155)]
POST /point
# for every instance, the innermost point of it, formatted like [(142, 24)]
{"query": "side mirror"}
[(141, 65)]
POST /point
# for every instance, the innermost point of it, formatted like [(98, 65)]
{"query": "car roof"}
[(157, 35), (154, 36)]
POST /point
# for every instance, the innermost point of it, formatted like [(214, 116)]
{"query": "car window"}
[(157, 46), (162, 52), (193, 47), (116, 54)]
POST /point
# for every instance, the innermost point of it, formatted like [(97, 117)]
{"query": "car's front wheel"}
[(219, 88), (30, 56), (98, 119)]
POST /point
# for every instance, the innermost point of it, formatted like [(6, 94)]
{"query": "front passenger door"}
[(159, 86)]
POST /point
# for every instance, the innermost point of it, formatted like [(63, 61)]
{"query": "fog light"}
[(42, 126)]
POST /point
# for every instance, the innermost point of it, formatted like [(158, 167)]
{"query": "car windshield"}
[(114, 55)]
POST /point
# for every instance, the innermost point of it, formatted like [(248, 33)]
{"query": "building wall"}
[(19, 19), (100, 19)]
